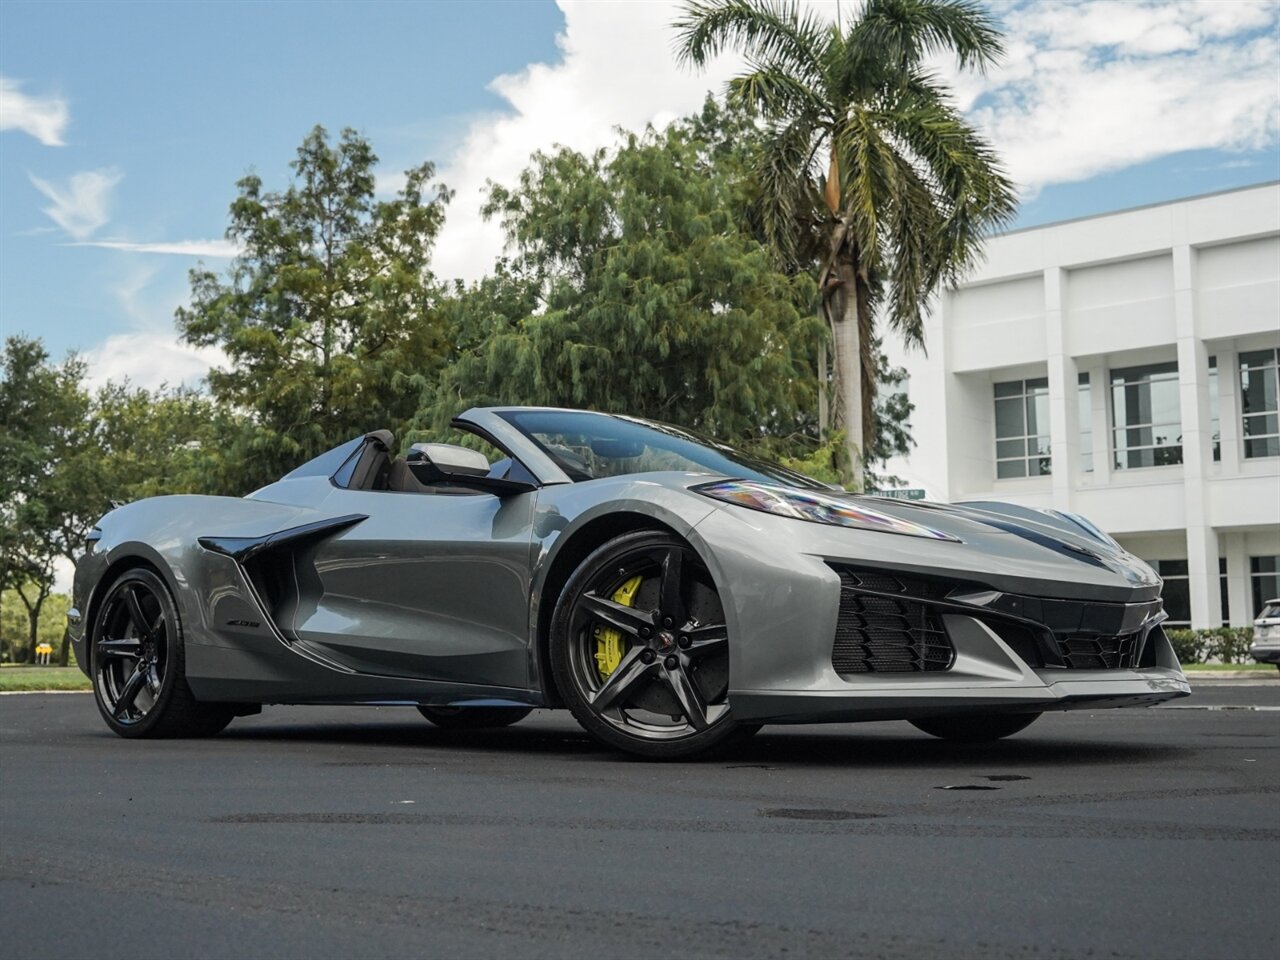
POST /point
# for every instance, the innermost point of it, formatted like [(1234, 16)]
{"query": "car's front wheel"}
[(640, 649), (977, 728), (137, 656)]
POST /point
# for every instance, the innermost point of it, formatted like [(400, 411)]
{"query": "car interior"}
[(439, 468)]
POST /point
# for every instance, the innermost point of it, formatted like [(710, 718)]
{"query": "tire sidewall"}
[(174, 659), (562, 671)]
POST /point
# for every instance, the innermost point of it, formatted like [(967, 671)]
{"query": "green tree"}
[(632, 287), (15, 628), (43, 411), (867, 168), (329, 305)]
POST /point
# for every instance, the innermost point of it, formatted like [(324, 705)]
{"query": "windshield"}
[(1270, 610), (589, 446)]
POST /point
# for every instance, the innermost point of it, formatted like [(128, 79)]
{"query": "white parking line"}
[(1216, 706)]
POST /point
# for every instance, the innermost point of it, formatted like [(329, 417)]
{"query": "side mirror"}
[(447, 462), (449, 459)]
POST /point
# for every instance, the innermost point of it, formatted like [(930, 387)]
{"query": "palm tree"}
[(867, 169)]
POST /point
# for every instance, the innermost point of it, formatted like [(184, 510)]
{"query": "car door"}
[(430, 585)]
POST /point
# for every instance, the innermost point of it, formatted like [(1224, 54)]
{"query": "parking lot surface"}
[(365, 832)]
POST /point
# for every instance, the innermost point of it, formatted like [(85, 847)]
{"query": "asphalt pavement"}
[(365, 832)]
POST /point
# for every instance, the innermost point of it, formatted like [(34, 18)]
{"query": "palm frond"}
[(904, 32), (788, 200), (770, 89), (774, 30), (972, 188)]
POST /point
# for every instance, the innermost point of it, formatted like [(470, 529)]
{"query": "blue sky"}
[(132, 122)]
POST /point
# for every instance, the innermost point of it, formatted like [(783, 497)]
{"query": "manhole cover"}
[(1005, 777)]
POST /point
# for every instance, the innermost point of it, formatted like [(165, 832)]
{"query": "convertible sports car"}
[(673, 593)]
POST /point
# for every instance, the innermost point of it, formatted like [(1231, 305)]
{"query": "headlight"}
[(812, 506)]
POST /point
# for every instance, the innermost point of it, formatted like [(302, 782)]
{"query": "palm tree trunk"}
[(824, 389), (867, 357), (843, 310)]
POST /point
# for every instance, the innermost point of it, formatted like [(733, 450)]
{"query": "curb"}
[(19, 693), (1264, 676)]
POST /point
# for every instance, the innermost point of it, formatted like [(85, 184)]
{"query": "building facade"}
[(1124, 367)]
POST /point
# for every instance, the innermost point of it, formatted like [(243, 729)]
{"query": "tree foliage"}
[(43, 412), (632, 286), (328, 305), (66, 452), (867, 168)]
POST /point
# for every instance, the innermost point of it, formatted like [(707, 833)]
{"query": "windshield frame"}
[(719, 459)]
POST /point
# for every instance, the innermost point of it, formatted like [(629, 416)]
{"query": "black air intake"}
[(888, 634)]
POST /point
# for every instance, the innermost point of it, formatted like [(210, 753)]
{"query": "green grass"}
[(42, 678), (1218, 667)]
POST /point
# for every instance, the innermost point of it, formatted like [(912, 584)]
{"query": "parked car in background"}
[(1266, 634)]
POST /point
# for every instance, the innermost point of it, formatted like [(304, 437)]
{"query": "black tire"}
[(976, 728), (474, 718), (666, 696), (139, 667)]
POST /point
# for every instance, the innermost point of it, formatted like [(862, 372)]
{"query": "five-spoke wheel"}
[(640, 648), (137, 663)]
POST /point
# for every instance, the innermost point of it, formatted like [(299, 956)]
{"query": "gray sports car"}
[(671, 592)]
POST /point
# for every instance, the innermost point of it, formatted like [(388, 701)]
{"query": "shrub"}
[(1187, 645), (1219, 645)]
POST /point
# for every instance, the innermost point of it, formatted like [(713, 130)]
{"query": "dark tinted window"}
[(588, 446)]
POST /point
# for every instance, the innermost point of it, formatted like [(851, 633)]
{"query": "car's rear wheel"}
[(976, 728), (473, 718), (138, 664), (640, 649)]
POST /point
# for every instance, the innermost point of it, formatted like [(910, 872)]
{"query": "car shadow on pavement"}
[(845, 745)]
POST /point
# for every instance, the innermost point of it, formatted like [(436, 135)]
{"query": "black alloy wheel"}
[(137, 661), (473, 718), (640, 649), (976, 728)]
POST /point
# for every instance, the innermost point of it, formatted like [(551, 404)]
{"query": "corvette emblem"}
[(666, 639)]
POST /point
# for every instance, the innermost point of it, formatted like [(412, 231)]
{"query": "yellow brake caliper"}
[(609, 643)]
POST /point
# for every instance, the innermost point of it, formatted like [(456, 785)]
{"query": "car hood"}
[(1070, 538)]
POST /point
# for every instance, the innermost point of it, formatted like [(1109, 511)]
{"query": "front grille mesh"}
[(1099, 653), (877, 634)]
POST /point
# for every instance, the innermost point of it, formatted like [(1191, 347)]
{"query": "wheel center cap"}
[(666, 639)]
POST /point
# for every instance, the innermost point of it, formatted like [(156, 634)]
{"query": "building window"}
[(1264, 578), (1085, 410), (1147, 423), (1177, 590), (1259, 386), (1022, 428), (1176, 593), (1215, 421)]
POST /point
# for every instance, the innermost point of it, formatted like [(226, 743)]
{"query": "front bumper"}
[(1267, 651), (986, 677), (1021, 637)]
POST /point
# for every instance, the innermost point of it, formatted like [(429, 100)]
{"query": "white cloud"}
[(1096, 86), (1088, 87), (214, 249), (81, 207), (44, 118), (149, 354), (616, 69), (149, 358)]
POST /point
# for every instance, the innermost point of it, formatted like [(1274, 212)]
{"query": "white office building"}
[(1123, 367)]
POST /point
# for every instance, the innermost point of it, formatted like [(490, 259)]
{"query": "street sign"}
[(905, 493)]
